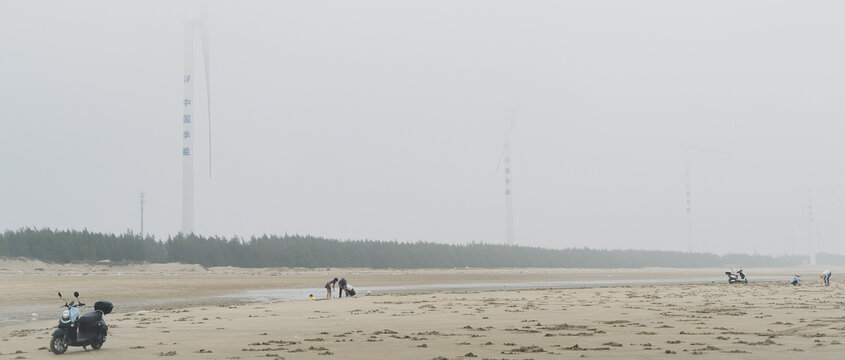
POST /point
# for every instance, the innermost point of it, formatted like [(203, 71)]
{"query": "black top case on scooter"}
[(104, 306)]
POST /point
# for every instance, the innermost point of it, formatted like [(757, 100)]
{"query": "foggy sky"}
[(385, 120)]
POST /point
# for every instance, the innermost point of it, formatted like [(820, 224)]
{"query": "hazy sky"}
[(385, 120)]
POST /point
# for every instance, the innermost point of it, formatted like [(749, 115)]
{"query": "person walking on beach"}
[(795, 279), (342, 287), (826, 277), (329, 287)]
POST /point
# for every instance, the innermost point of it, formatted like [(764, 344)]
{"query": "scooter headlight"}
[(66, 315)]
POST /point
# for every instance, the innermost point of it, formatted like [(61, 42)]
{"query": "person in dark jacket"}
[(342, 288)]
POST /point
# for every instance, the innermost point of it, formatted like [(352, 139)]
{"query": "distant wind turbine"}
[(812, 231), (506, 156), (191, 25), (689, 149)]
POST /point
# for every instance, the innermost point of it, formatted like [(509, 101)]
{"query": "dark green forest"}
[(315, 252)]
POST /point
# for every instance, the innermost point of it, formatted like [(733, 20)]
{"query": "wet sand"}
[(758, 320)]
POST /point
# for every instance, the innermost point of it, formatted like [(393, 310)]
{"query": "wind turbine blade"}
[(500, 160), (205, 52), (507, 143), (835, 195)]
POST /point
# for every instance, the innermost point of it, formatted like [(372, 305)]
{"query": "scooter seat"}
[(90, 318)]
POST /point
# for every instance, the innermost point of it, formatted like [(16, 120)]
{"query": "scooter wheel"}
[(98, 343), (58, 345)]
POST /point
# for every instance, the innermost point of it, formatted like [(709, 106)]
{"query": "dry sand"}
[(716, 321)]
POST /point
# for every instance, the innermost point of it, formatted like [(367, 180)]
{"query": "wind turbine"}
[(689, 149), (812, 231), (506, 156), (191, 26)]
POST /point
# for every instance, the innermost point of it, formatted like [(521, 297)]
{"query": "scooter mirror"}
[(60, 294), (76, 294)]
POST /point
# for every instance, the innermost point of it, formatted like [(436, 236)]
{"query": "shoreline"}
[(31, 282), (710, 321), (22, 314)]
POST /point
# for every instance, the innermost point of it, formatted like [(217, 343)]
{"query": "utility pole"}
[(690, 242), (811, 235), (142, 215)]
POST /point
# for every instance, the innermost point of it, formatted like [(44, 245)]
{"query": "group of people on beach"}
[(342, 287), (824, 276)]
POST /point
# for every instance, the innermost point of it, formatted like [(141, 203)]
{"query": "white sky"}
[(385, 120)]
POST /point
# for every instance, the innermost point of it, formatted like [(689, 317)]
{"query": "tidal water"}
[(23, 313), (277, 295)]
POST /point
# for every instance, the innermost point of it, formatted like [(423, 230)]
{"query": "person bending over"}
[(825, 276), (329, 287), (342, 288)]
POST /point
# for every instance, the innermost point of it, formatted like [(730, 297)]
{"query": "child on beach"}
[(795, 279), (329, 287), (825, 276)]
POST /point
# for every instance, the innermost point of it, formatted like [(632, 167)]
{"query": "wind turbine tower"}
[(191, 25), (509, 240), (688, 199), (812, 233), (506, 156)]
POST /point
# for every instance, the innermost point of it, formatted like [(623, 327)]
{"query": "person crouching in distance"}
[(825, 276), (795, 279)]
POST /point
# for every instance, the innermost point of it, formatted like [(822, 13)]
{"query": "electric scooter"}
[(738, 277), (85, 330)]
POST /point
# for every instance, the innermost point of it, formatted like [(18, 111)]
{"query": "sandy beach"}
[(766, 319)]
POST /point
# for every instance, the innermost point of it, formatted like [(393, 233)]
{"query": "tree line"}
[(63, 246)]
